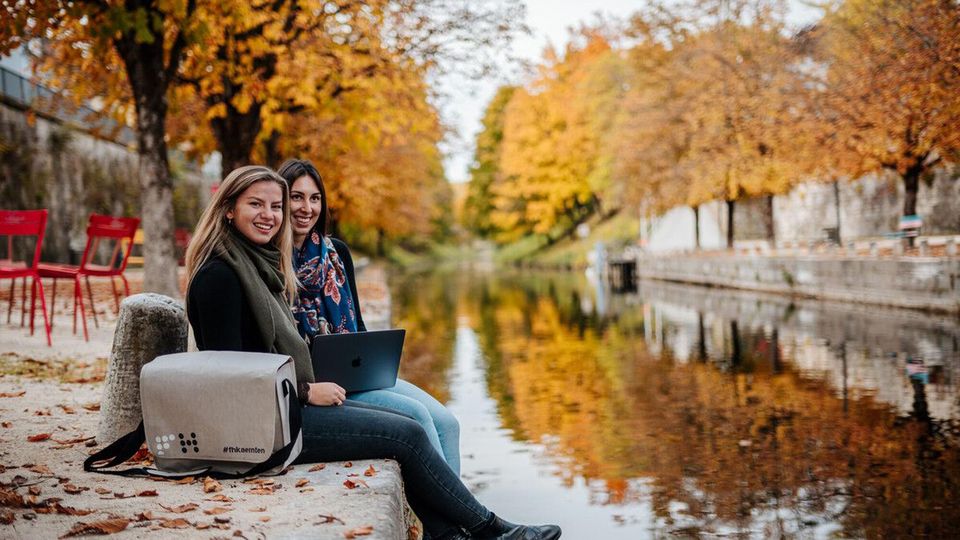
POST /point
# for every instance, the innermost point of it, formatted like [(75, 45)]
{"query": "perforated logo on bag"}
[(186, 443)]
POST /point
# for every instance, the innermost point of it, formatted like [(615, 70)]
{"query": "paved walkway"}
[(49, 403)]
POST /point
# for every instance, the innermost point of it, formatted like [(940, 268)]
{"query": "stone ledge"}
[(931, 284), (293, 512)]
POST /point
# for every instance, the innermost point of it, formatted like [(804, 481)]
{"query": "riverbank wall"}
[(924, 283)]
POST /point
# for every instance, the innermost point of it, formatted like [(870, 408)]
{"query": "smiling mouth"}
[(263, 227), (302, 221)]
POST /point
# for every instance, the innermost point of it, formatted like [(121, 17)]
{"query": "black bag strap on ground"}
[(125, 447)]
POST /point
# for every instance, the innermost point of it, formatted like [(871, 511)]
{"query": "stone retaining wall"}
[(926, 283)]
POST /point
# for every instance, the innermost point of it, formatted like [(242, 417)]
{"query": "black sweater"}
[(220, 315)]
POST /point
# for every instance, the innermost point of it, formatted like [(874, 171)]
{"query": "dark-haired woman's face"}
[(305, 206), (258, 213)]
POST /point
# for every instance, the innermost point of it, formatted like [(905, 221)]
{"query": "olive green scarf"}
[(258, 268)]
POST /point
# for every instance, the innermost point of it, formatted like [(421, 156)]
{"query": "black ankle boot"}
[(504, 530)]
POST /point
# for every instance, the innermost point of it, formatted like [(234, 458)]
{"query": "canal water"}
[(677, 411)]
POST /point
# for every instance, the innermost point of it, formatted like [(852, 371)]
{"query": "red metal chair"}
[(15, 223), (121, 231)]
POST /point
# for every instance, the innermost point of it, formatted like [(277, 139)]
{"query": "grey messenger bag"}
[(224, 414)]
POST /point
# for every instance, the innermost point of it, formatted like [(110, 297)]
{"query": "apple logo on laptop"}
[(356, 362)]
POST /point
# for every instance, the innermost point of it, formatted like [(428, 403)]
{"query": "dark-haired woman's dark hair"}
[(291, 170)]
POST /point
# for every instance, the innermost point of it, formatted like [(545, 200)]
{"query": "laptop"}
[(358, 361)]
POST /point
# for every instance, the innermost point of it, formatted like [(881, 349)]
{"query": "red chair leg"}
[(93, 307), (116, 295), (126, 286), (78, 296), (43, 308), (23, 301), (53, 302), (33, 302), (13, 283)]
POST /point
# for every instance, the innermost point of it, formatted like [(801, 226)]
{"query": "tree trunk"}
[(836, 202), (236, 134), (731, 206), (696, 226), (769, 221), (146, 71), (381, 247), (911, 186), (271, 150)]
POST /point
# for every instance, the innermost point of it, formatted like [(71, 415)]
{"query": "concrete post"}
[(150, 325), (874, 251), (851, 249), (898, 248), (951, 247), (924, 248)]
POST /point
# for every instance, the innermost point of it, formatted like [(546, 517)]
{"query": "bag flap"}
[(216, 405)]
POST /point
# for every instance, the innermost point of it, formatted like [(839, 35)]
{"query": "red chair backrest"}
[(24, 223), (101, 226)]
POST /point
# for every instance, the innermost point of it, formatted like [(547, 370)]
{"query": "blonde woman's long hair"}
[(208, 237)]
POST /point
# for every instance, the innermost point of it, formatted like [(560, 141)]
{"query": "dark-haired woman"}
[(240, 283), (327, 302)]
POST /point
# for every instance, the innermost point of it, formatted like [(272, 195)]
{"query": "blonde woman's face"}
[(258, 213)]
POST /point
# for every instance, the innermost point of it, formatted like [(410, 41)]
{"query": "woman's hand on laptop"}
[(326, 393)]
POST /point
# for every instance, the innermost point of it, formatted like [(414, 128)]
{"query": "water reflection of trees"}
[(741, 443), (727, 437)]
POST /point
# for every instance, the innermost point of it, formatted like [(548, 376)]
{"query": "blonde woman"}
[(238, 298)]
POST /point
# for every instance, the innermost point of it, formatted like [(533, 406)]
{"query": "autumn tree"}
[(730, 78), (486, 165), (555, 162), (127, 53), (885, 96)]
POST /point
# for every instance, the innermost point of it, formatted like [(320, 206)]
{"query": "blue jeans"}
[(441, 426), (361, 431)]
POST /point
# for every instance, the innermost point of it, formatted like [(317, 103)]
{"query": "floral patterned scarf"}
[(324, 303)]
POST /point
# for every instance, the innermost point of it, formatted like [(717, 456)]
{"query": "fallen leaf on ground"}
[(352, 484), (258, 509), (318, 467), (302, 482), (7, 424), (178, 523), (221, 520), (328, 519), (42, 412), (238, 534), (211, 486), (147, 493), (12, 394), (67, 409), (102, 490), (40, 468), (306, 490), (77, 440), (74, 490), (260, 481), (359, 531), (220, 498), (201, 526), (145, 516), (265, 519), (184, 481), (183, 508), (34, 490), (370, 471), (348, 464), (7, 518), (38, 437), (92, 406), (107, 526), (261, 491), (140, 455), (217, 510), (352, 475), (122, 495)]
